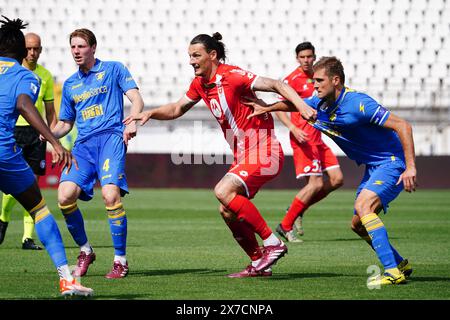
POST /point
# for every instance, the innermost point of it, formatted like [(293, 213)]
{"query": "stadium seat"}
[(384, 45)]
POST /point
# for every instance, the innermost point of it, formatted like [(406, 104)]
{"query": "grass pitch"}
[(180, 249)]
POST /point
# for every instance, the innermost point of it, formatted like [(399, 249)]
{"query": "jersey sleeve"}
[(124, 78), (370, 111), (29, 85), (193, 94), (67, 110), (313, 101), (242, 78), (48, 94)]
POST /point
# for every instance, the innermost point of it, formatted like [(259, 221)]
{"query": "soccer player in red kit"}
[(258, 156), (312, 157)]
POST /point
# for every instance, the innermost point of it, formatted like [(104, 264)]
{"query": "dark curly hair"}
[(12, 40)]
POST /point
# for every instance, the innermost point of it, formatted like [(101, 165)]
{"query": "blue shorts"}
[(382, 180), (16, 175), (101, 157)]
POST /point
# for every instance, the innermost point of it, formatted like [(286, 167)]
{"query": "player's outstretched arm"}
[(404, 131), (260, 107), (285, 90), (168, 111), (27, 109)]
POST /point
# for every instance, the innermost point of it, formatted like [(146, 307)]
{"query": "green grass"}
[(180, 248)]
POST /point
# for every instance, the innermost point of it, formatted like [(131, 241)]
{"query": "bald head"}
[(34, 49)]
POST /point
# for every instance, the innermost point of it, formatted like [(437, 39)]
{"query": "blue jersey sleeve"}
[(67, 110), (370, 111), (124, 78), (29, 85), (312, 101)]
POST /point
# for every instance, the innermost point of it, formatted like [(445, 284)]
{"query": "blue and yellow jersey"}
[(94, 100), (15, 80), (355, 122)]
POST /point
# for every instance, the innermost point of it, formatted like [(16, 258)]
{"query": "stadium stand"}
[(397, 51)]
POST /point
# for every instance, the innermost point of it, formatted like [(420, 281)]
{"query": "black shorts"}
[(33, 148)]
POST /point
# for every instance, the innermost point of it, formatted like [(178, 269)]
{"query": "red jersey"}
[(223, 94), (304, 85)]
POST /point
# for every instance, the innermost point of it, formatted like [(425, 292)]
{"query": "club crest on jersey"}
[(100, 75), (216, 109)]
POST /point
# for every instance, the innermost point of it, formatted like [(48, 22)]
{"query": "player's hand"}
[(142, 116), (259, 106), (308, 113), (409, 179), (299, 134), (63, 157), (129, 132)]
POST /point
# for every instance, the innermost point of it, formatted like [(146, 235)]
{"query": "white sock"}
[(64, 272), (121, 259), (86, 248), (272, 240)]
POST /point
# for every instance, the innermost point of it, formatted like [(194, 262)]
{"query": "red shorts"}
[(312, 160), (254, 174)]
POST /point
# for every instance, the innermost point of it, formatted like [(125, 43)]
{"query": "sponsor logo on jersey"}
[(361, 108), (215, 108), (243, 173), (77, 85), (92, 112), (89, 93)]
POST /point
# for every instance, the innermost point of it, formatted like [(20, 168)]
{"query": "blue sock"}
[(118, 226), (397, 256), (380, 241), (48, 233), (75, 223)]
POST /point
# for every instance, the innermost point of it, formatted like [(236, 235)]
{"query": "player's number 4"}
[(106, 165)]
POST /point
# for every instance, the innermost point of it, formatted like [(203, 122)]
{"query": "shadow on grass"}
[(104, 246), (150, 273), (121, 297), (344, 239), (428, 279), (291, 276)]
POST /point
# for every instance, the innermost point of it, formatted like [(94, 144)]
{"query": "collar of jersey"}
[(335, 105), (212, 83), (94, 69), (8, 59)]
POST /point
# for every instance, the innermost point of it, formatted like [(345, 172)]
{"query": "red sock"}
[(246, 210), (319, 196), (245, 236), (297, 208)]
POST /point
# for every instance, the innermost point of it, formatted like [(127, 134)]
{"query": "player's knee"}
[(110, 199), (337, 181), (221, 193), (66, 197)]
